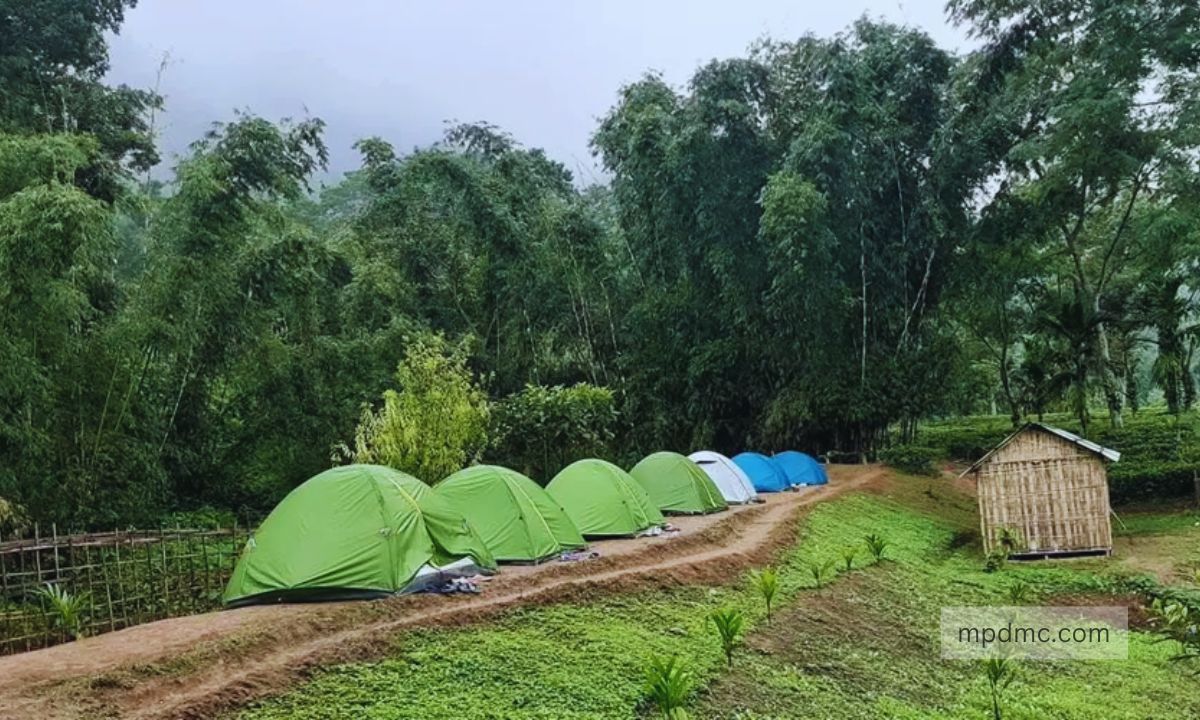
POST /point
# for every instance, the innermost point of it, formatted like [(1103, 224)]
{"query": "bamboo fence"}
[(125, 577)]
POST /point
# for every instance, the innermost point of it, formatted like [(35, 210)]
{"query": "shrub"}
[(12, 517), (435, 424), (912, 459), (729, 623), (995, 562), (202, 518), (1176, 622), (668, 684), (543, 429)]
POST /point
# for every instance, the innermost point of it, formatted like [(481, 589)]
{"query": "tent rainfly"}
[(677, 485), (764, 472), (602, 500), (731, 480), (801, 469), (356, 531), (516, 517), (1044, 491)]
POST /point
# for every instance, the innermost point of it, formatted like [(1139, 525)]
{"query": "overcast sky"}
[(545, 71)]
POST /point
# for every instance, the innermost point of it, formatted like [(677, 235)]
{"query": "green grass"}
[(1157, 523), (862, 647), (866, 646)]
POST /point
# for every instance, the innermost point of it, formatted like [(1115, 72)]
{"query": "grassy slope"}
[(859, 648), (863, 648), (1164, 544)]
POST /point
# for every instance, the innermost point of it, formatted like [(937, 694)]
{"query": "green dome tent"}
[(677, 485), (352, 532), (602, 500), (516, 518)]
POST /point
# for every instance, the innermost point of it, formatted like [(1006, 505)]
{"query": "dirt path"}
[(198, 666)]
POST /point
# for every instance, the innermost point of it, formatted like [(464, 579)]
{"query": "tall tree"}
[(53, 56), (861, 118), (1097, 104)]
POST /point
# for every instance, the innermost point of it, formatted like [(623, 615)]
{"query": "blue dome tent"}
[(801, 469), (764, 472)]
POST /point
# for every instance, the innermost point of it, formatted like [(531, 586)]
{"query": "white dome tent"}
[(731, 480)]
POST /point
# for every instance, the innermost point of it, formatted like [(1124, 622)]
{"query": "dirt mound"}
[(198, 666)]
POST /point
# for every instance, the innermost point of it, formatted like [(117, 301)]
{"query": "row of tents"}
[(369, 531)]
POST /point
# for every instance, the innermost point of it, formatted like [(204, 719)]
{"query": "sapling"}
[(1000, 672), (821, 572), (668, 683), (66, 609), (1019, 592), (729, 623), (848, 555), (876, 545), (766, 581)]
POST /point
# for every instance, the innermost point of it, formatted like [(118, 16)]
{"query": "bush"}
[(912, 459), (435, 424), (202, 518), (541, 429)]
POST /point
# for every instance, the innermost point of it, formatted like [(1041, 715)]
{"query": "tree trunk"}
[(1006, 384), (1112, 393), (862, 268)]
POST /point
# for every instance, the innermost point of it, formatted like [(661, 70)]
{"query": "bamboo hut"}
[(1044, 491)]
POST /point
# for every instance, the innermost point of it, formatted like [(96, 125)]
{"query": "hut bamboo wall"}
[(1052, 494)]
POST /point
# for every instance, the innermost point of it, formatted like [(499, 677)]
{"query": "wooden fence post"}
[(37, 554), (120, 581), (54, 547)]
